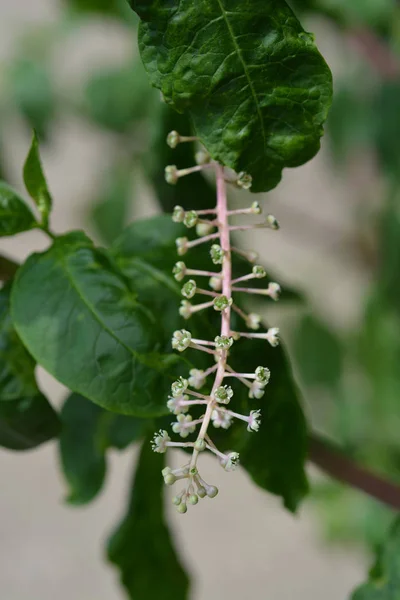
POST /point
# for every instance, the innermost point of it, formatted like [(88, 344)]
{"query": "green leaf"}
[(251, 79), (35, 181), (194, 192), (109, 210), (87, 432), (15, 216), (384, 578), (118, 98), (109, 8), (318, 352), (17, 377), (81, 322), (274, 456), (33, 94), (27, 422), (142, 543)]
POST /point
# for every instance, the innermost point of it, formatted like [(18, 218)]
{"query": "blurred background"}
[(71, 71)]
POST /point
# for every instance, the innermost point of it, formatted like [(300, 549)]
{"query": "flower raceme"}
[(186, 393)]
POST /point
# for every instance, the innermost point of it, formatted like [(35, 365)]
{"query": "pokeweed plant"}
[(253, 93)]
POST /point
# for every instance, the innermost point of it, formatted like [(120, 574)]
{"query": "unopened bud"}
[(244, 180), (182, 508), (212, 491), (171, 174), (193, 499), (200, 445), (169, 479)]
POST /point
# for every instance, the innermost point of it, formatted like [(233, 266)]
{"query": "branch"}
[(332, 460), (8, 268)]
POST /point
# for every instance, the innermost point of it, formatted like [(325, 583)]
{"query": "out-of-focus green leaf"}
[(387, 119), (32, 93), (15, 215), (384, 577), (118, 98), (35, 181), (249, 76), (318, 353), (142, 543), (109, 209), (87, 432), (27, 422), (81, 322), (108, 8)]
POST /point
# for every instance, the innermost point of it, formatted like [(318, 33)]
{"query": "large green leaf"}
[(251, 78), (15, 216), (76, 315), (17, 377), (384, 577), (27, 422), (87, 432), (35, 181), (142, 545)]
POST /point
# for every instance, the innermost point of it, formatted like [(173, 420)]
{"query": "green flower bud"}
[(179, 271), (169, 479), (256, 208), (182, 245), (193, 499), (182, 508), (176, 500), (272, 222), (190, 219), (200, 445), (201, 492)]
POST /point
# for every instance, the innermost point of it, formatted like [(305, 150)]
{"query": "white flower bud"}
[(256, 208), (182, 508), (254, 420), (215, 283), (183, 425), (169, 479), (201, 492), (211, 491), (196, 379), (193, 499), (253, 321), (274, 290), (272, 222), (200, 445), (257, 390), (178, 214), (171, 174), (185, 309), (203, 229), (272, 336), (173, 139), (202, 157), (182, 245)]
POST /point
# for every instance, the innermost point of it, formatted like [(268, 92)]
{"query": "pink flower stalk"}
[(183, 395)]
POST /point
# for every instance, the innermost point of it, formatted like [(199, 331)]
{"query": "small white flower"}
[(217, 254), (221, 419), (190, 219), (254, 420), (202, 157), (263, 375), (181, 340), (222, 303), (175, 404), (230, 461), (196, 379), (272, 222), (223, 394), (179, 387), (256, 390), (274, 290), (244, 180), (173, 139), (189, 289), (178, 214), (183, 425), (203, 229), (160, 441), (223, 342), (253, 321), (272, 336), (259, 272), (171, 174), (256, 208)]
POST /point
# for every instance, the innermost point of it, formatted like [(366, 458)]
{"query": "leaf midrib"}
[(247, 75)]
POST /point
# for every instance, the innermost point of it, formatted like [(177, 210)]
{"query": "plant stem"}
[(332, 460), (223, 231)]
